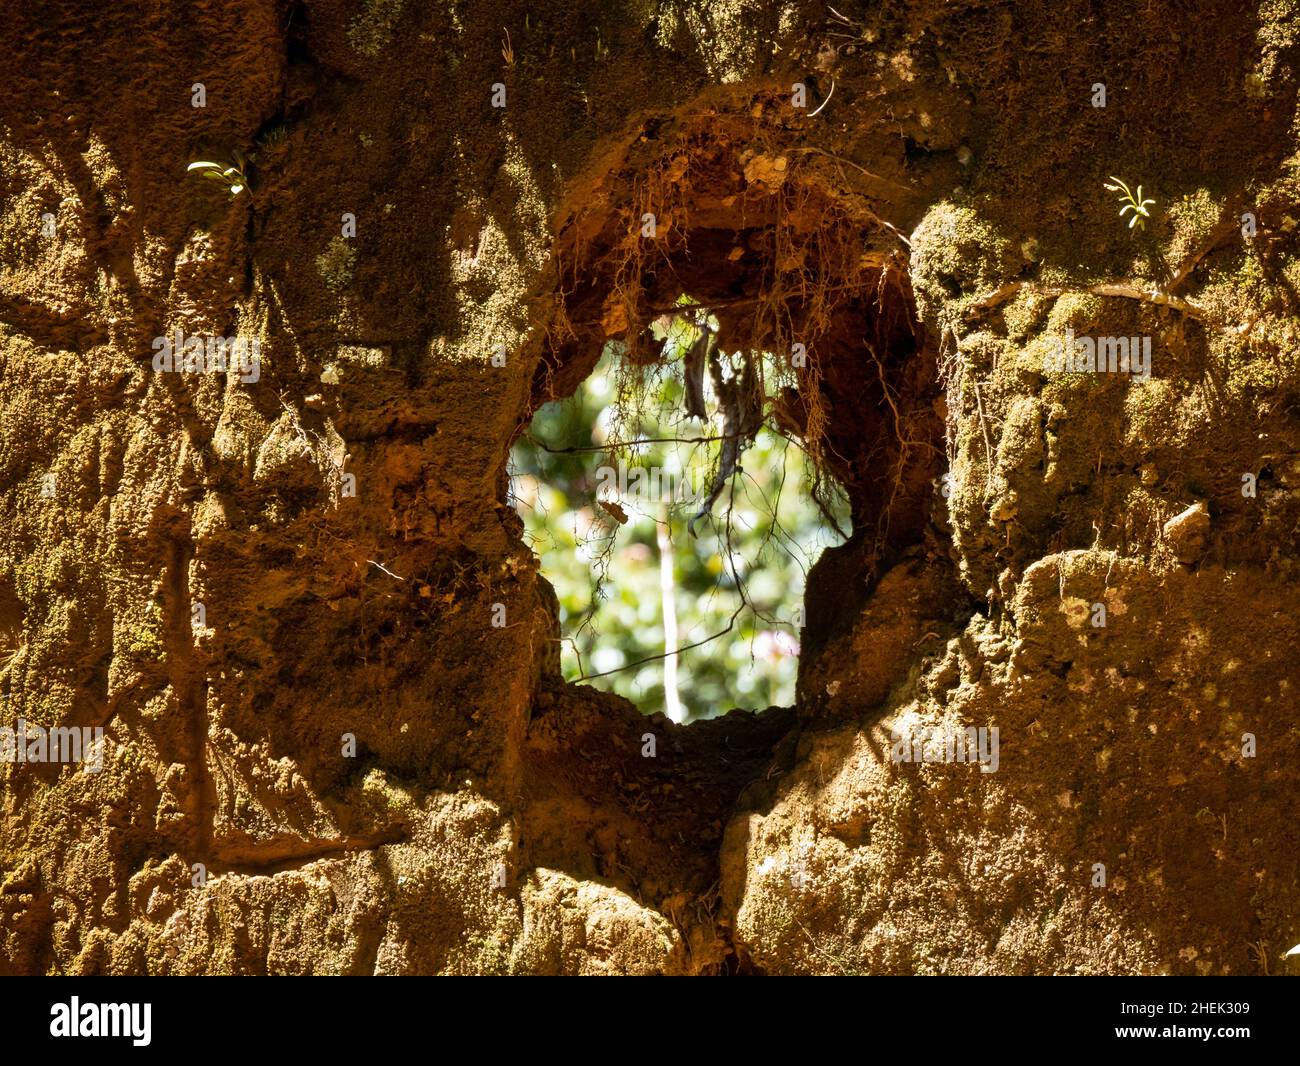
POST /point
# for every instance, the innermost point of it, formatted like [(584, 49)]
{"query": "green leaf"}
[(203, 163)]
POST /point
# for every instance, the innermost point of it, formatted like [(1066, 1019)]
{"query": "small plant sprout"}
[(272, 138), (1132, 202), (507, 51), (232, 175)]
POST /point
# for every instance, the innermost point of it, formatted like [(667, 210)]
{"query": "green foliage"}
[(232, 175), (1132, 202), (599, 540)]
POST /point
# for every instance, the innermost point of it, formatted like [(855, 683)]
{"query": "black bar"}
[(241, 1016)]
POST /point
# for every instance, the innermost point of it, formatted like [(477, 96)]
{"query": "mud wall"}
[(277, 596)]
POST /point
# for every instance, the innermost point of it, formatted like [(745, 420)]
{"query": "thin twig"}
[(385, 570), (814, 114), (628, 444), (681, 648), (856, 166)]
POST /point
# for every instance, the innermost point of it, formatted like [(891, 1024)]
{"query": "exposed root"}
[(1121, 289)]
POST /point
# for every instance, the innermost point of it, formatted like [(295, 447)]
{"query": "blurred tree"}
[(608, 480)]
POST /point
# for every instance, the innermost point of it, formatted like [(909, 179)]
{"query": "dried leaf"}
[(693, 372), (614, 511)]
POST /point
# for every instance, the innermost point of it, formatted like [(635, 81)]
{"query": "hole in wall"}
[(676, 535), (816, 377)]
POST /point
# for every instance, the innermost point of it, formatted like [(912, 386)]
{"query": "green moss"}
[(336, 263), (489, 957), (1024, 315), (1279, 30), (385, 801), (1193, 217), (1076, 310), (1147, 411), (957, 254), (372, 29), (145, 640)]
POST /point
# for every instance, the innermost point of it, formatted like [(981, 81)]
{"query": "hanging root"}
[(758, 247)]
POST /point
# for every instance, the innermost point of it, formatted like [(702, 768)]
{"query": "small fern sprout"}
[(1131, 202), (232, 175)]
